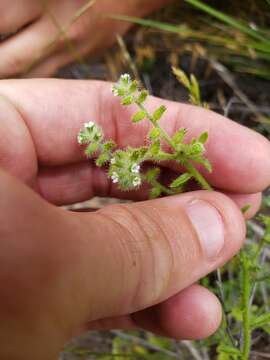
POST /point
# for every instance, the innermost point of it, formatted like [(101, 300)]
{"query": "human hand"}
[(123, 266), (35, 30)]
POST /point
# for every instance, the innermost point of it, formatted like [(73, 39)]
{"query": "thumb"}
[(138, 255), (59, 269)]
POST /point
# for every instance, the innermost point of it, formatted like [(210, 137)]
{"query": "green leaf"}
[(181, 77), (154, 134), (83, 138), (139, 116), (128, 100), (109, 145), (261, 320), (245, 208), (120, 155), (203, 137), (163, 342), (159, 112), (181, 180), (227, 349), (102, 159), (197, 149), (133, 87), (155, 193), (205, 163), (154, 149), (118, 90), (152, 174), (91, 149), (195, 90), (137, 155), (179, 136), (264, 219), (142, 97)]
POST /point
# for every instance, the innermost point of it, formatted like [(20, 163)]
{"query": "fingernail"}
[(209, 226)]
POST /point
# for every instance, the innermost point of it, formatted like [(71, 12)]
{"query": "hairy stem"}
[(197, 175), (246, 288), (189, 167), (154, 123)]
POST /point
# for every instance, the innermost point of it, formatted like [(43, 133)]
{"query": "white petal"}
[(125, 77), (135, 168), (89, 125)]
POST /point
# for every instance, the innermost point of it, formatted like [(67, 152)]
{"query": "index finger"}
[(55, 110)]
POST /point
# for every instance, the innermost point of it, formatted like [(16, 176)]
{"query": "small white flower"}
[(113, 161), (115, 177), (137, 181), (80, 139), (115, 90), (89, 125), (125, 78), (122, 85), (135, 168)]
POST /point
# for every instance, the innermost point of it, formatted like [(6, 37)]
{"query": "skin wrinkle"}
[(135, 303), (159, 226), (194, 252), (140, 285), (128, 305), (158, 290)]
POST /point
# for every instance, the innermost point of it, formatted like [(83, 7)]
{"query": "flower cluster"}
[(122, 87), (90, 133), (125, 169), (125, 165)]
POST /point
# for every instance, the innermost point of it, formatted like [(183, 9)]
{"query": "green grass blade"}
[(228, 20), (150, 23), (263, 73), (263, 49)]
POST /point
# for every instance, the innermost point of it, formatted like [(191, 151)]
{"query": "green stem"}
[(190, 168), (197, 175), (163, 188), (156, 125), (259, 249), (226, 322), (246, 310)]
